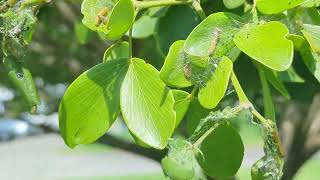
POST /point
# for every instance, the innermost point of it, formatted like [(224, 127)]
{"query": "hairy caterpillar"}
[(102, 16)]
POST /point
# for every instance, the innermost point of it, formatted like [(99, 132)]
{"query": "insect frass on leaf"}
[(102, 16)]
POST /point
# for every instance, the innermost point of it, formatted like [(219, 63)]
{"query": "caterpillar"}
[(214, 41), (187, 71), (102, 16)]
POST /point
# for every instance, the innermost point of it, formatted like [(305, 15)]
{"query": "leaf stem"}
[(193, 92), (204, 136), (148, 4), (243, 99), (197, 7)]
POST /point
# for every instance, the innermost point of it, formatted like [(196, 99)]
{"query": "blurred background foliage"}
[(62, 48)]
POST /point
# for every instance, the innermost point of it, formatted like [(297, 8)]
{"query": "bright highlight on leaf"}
[(215, 89), (92, 103), (275, 6), (108, 16), (267, 44), (232, 4), (147, 105)]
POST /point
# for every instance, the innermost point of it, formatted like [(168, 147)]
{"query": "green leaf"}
[(275, 6), (181, 105), (117, 21), (21, 77), (267, 44), (92, 103), (119, 50), (175, 64), (274, 80), (215, 89), (268, 106), (145, 26), (147, 105), (194, 114), (298, 41), (222, 152), (171, 27), (311, 60), (312, 34), (311, 3), (213, 36), (232, 4), (82, 32), (290, 76)]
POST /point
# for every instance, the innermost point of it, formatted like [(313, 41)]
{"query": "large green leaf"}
[(82, 32), (119, 50), (177, 23), (147, 105), (213, 36), (92, 103), (275, 6), (181, 105), (117, 23), (215, 89), (222, 152), (312, 34), (267, 44)]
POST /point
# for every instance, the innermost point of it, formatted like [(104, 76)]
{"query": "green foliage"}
[(182, 101), (215, 89), (267, 44), (118, 50), (92, 103), (200, 56), (222, 152), (147, 105), (268, 6)]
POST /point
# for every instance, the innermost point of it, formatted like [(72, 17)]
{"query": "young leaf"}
[(147, 105), (181, 105), (267, 44), (213, 36), (232, 4), (117, 51), (21, 78), (92, 103), (298, 41), (108, 17), (175, 70), (215, 89), (312, 34), (222, 152), (275, 6)]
